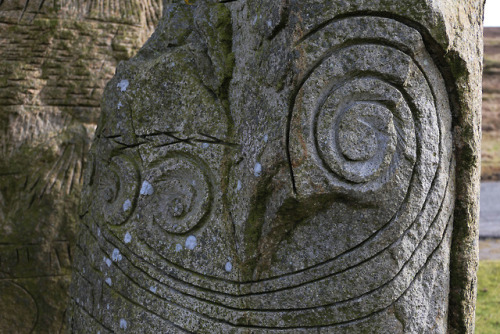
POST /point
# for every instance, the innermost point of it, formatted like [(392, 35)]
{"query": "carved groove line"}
[(340, 324), (366, 158), (117, 182), (178, 194), (139, 279)]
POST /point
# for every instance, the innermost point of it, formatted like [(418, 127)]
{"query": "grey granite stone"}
[(286, 167)]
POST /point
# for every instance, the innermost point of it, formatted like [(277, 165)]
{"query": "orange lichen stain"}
[(187, 2)]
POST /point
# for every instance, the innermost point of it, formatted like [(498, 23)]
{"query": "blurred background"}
[(488, 312), (56, 57)]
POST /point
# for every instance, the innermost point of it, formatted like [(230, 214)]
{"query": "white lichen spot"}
[(228, 266), (98, 232), (108, 261), (119, 105), (127, 238), (108, 282), (269, 24), (127, 205), (98, 332), (204, 145), (116, 256), (257, 169), (147, 188), (123, 85), (238, 186), (178, 247), (123, 323), (254, 20), (266, 138), (107, 306), (152, 289), (191, 242)]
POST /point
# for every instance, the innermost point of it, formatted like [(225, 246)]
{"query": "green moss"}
[(47, 24), (217, 30), (84, 28), (469, 156), (253, 231), (458, 66)]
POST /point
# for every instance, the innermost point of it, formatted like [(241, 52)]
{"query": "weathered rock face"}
[(55, 59), (287, 167)]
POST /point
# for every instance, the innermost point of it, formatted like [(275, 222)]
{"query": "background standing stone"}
[(288, 167), (55, 58)]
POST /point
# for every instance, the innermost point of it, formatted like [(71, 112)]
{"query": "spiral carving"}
[(116, 185), (180, 196), (357, 139), (365, 123)]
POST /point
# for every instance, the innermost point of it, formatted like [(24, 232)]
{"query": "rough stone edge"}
[(456, 45), (452, 31), (453, 38), (462, 70)]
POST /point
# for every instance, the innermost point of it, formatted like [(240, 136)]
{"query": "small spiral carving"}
[(116, 188), (180, 196)]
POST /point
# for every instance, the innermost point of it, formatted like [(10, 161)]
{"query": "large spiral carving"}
[(357, 129), (369, 113), (366, 107), (176, 193)]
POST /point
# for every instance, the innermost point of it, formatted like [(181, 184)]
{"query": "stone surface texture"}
[(287, 167), (55, 59)]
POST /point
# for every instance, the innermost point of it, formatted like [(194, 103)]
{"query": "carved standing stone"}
[(287, 167), (55, 59)]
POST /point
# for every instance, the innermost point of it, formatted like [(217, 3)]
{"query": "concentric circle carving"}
[(181, 195)]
